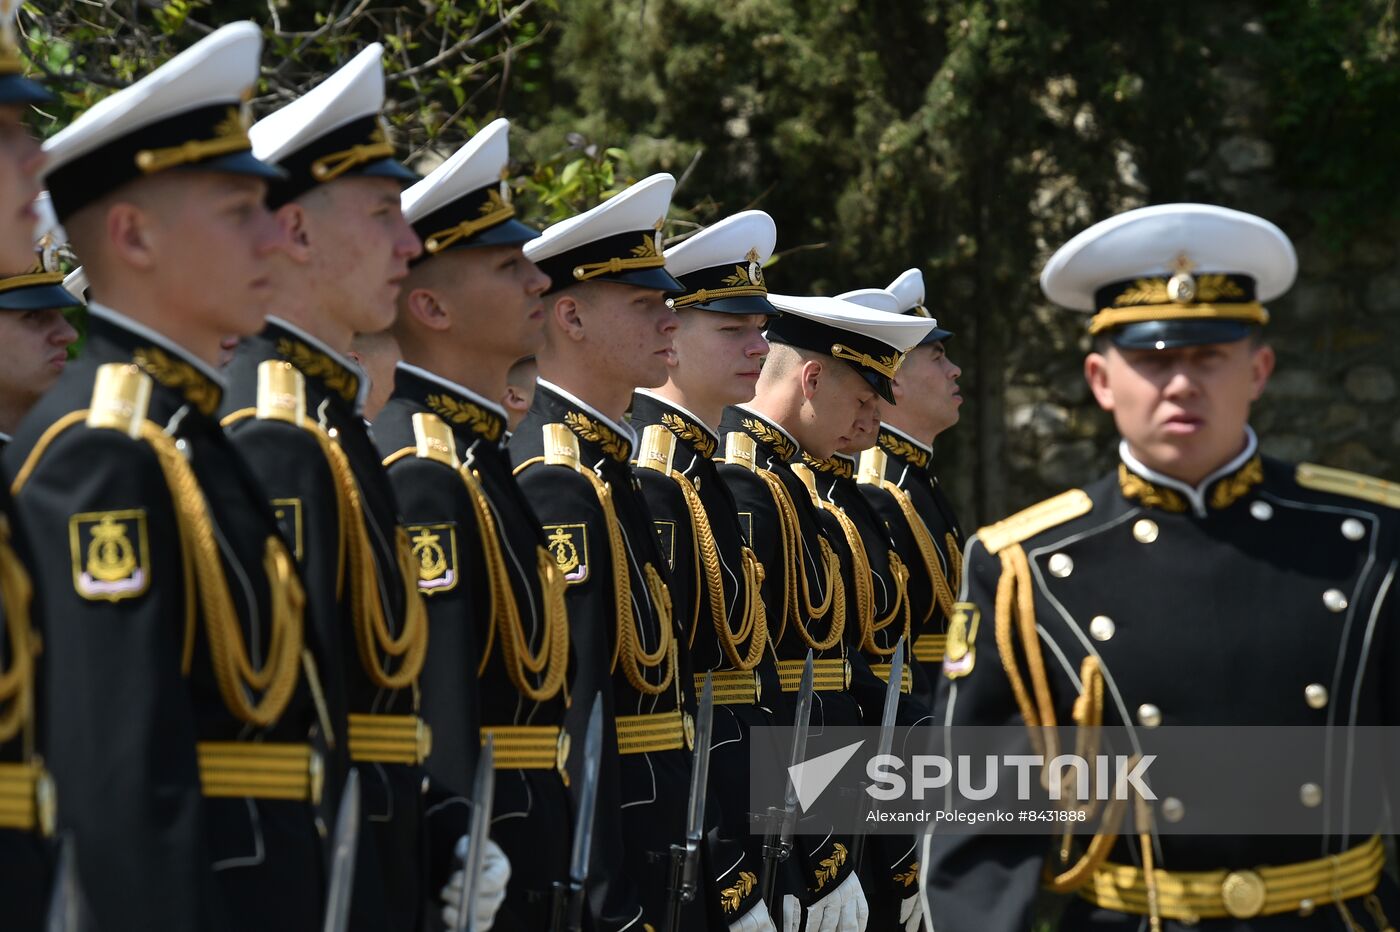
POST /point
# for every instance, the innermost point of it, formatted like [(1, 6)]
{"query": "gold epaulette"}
[(872, 466), (1024, 524), (560, 446), (809, 479), (657, 449), (121, 394), (281, 392), (1350, 484), (433, 440), (740, 450)]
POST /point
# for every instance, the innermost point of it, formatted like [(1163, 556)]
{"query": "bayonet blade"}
[(483, 799), (346, 838), (892, 690), (799, 747), (588, 794), (700, 770)]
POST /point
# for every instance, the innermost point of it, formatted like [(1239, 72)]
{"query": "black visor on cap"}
[(1173, 334), (883, 387), (625, 247), (743, 304), (17, 89), (479, 218), (37, 298), (335, 152), (936, 335)]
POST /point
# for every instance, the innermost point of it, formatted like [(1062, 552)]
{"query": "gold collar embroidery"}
[(898, 446), (459, 411), (1232, 488), (179, 375), (1138, 488), (836, 466), (698, 437), (611, 442), (771, 437), (315, 364)]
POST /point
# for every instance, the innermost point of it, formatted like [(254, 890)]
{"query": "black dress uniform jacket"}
[(161, 565), (24, 857), (1262, 597), (876, 619), (496, 609), (897, 479), (716, 588), (323, 475), (805, 599), (642, 793)]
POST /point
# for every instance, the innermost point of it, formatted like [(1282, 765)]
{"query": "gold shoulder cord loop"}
[(754, 624), (551, 663), (943, 587), (1015, 625), (206, 588), (372, 633), (865, 587), (793, 546), (17, 682)]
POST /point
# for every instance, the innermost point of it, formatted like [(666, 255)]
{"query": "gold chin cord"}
[(834, 602)]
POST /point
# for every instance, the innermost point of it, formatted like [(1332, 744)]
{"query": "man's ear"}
[(1262, 362), (1096, 374), (812, 375), (514, 399), (423, 306), (567, 314), (296, 230), (130, 235)]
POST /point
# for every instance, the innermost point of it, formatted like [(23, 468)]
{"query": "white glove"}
[(909, 914), (490, 887), (842, 910), (755, 920)]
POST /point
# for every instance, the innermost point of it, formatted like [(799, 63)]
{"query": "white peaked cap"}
[(877, 299), (1150, 241), (640, 207), (353, 92), (728, 242), (476, 165), (909, 289), (900, 333)]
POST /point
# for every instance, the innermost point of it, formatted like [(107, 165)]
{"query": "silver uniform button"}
[(1149, 716), (1310, 794), (1173, 809), (1261, 511), (1316, 695), (1334, 600), (1145, 530), (1353, 529), (1061, 565), (1102, 627)]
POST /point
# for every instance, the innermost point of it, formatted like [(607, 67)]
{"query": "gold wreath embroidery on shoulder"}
[(318, 365), (179, 375), (781, 445), (587, 428), (897, 446)]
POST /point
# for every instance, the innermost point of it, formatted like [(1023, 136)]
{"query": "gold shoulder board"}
[(1350, 484), (121, 393), (872, 466), (560, 445), (808, 479), (657, 449), (739, 450), (281, 392), (1024, 524), (433, 440)]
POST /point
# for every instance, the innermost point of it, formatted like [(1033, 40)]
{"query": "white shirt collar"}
[(116, 317), (623, 429), (1196, 495), (681, 408), (340, 359), (492, 406)]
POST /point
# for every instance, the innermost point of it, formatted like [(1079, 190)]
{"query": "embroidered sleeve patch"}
[(111, 554), (435, 550), (666, 534), (569, 545), (288, 514), (960, 654)]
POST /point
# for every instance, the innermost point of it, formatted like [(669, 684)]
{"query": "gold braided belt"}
[(652, 731), (733, 687), (237, 769), (527, 747), (929, 648), (389, 739), (832, 676), (906, 679), (1188, 896), (27, 798)]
